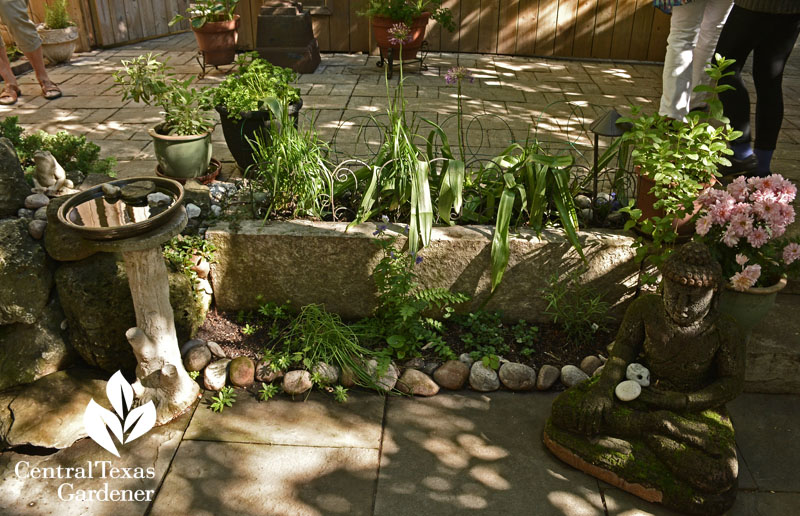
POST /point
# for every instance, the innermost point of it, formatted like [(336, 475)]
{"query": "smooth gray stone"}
[(548, 376), (517, 377), (571, 375), (482, 378), (297, 382), (215, 375)]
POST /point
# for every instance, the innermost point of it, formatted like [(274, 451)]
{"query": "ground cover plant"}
[(73, 152)]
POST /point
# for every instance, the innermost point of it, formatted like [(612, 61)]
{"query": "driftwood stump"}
[(160, 375)]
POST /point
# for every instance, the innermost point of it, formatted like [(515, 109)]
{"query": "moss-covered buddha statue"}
[(674, 444)]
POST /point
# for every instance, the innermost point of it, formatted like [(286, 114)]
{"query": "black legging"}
[(771, 38)]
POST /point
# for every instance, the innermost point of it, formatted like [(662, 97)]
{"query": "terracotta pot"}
[(58, 44), (217, 41), (381, 26), (748, 308), (645, 201)]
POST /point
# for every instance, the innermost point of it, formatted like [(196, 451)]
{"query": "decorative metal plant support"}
[(103, 225), (607, 126), (389, 59)]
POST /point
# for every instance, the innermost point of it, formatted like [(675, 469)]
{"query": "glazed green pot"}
[(182, 156), (748, 308)]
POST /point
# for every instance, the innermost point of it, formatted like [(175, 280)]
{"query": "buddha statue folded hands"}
[(674, 444)]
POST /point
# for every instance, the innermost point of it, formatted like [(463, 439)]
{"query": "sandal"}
[(9, 94), (50, 91)]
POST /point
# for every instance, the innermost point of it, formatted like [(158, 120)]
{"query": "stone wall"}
[(319, 262)]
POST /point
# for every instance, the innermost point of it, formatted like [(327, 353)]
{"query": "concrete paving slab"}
[(215, 479), (317, 421), (476, 454), (765, 504), (768, 435), (21, 494)]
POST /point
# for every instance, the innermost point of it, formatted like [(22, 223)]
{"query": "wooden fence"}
[(611, 29)]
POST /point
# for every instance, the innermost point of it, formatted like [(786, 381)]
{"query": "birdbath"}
[(134, 217)]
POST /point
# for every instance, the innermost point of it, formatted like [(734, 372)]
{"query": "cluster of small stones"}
[(418, 377), (35, 211)]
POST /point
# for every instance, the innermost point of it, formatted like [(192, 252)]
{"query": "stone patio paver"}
[(317, 421), (236, 479)]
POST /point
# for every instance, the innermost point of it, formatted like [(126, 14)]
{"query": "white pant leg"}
[(714, 16), (677, 77)]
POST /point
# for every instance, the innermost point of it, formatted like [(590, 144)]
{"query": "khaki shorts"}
[(14, 15)]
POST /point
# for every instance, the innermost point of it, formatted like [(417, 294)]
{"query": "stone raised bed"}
[(318, 262)]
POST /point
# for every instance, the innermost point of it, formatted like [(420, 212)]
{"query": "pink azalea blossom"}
[(757, 237), (730, 239), (791, 253), (741, 224), (703, 225), (738, 189), (740, 258), (741, 282)]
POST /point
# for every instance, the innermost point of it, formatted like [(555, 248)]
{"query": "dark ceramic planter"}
[(238, 132)]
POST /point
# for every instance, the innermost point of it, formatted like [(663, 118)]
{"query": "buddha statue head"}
[(691, 280)]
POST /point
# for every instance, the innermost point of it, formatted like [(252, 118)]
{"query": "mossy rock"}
[(97, 303)]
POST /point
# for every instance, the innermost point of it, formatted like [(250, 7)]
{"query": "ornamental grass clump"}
[(744, 227)]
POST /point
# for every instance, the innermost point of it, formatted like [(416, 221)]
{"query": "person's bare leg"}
[(36, 59), (5, 69)]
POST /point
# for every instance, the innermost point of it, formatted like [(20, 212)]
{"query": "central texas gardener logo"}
[(99, 421)]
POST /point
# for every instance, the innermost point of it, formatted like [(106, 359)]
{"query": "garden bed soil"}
[(551, 345)]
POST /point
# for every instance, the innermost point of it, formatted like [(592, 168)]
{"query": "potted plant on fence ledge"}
[(675, 161), (215, 28), (182, 143), (240, 101), (415, 14), (58, 33)]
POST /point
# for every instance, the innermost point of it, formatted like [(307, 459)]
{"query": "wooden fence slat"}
[(642, 27), (603, 28), (546, 28), (470, 25), (508, 26), (658, 36), (565, 27), (526, 27), (584, 28), (148, 20), (135, 31), (623, 25), (449, 40), (359, 29), (487, 27), (433, 35), (119, 21), (322, 31), (339, 26), (102, 23)]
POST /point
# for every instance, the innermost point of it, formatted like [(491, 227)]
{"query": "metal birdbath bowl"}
[(125, 216)]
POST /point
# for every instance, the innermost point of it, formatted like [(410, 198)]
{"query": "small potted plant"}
[(215, 28), (744, 227), (413, 13), (182, 142), (58, 33), (676, 161), (240, 101)]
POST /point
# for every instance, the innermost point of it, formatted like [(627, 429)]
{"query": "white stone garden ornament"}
[(630, 389), (49, 176)]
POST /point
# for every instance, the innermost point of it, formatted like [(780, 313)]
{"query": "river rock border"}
[(417, 377)]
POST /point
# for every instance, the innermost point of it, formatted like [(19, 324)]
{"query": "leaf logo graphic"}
[(99, 421)]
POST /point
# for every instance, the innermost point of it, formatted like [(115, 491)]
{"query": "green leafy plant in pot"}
[(182, 143), (241, 100), (676, 161), (58, 33), (215, 28)]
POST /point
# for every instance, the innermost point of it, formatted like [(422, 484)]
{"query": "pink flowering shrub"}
[(744, 227)]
